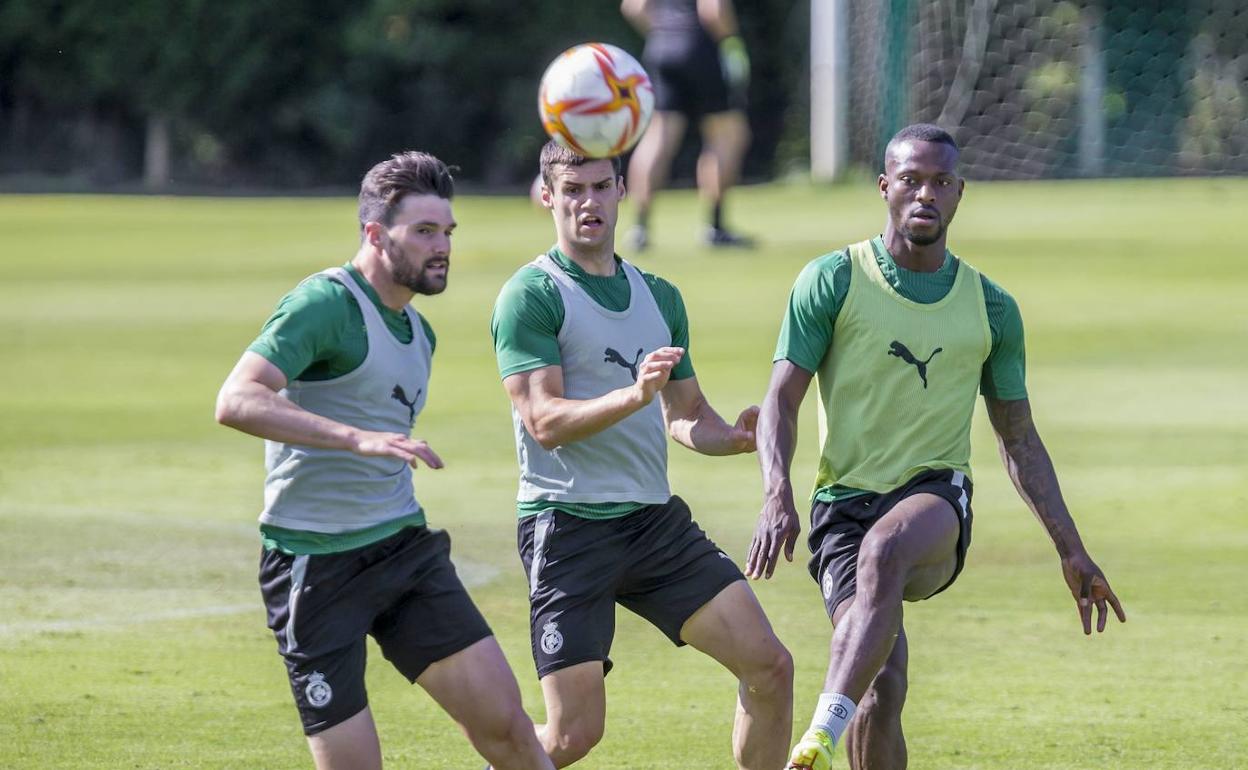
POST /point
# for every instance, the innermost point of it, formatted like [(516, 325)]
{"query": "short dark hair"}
[(555, 154), (405, 173), (924, 132)]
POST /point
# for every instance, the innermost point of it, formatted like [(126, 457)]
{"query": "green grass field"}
[(131, 631)]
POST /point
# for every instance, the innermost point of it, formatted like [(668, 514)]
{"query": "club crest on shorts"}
[(827, 584), (552, 640), (318, 691)]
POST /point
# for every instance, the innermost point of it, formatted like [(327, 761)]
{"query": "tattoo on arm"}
[(1030, 468)]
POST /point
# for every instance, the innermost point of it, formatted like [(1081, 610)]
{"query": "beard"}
[(414, 278), (923, 239)]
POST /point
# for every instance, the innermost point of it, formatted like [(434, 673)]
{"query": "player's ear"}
[(373, 234), (619, 182), (546, 198), (882, 183), (961, 187)]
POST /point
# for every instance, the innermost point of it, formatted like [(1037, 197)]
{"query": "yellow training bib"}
[(898, 386)]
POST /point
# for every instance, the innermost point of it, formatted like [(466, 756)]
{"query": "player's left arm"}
[(690, 418), (1031, 469), (694, 423)]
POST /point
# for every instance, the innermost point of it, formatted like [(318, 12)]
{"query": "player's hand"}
[(734, 62), (742, 437), (654, 372), (1090, 588), (406, 448), (778, 527)]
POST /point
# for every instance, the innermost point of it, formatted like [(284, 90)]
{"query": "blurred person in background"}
[(700, 71)]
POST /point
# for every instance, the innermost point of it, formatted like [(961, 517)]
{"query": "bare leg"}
[(348, 745), (908, 554), (733, 629), (875, 740), (576, 711), (652, 160), (477, 688), (725, 138)]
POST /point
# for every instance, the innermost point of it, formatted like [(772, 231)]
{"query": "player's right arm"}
[(528, 315), (305, 331), (553, 420), (249, 401), (805, 337), (778, 522)]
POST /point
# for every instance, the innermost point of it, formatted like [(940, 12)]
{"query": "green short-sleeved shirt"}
[(528, 315), (820, 291), (317, 333)]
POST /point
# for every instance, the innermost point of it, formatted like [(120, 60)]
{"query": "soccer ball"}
[(595, 100)]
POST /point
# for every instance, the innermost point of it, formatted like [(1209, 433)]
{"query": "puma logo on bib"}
[(895, 348), (612, 356), (401, 397)]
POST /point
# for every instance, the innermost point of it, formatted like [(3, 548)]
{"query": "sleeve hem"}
[(1007, 396), (267, 355), (527, 366), (783, 357)]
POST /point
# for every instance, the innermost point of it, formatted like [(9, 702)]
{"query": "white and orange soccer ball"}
[(596, 100)]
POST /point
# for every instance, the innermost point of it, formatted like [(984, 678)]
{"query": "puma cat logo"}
[(895, 348), (401, 397), (612, 356)]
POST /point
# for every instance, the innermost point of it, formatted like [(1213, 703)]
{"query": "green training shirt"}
[(317, 333), (528, 315), (820, 291)]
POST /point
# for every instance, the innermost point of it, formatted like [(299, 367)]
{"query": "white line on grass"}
[(472, 574), (84, 624)]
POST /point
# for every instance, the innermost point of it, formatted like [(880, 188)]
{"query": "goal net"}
[(1049, 88)]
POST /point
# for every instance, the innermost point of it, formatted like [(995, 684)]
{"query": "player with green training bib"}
[(901, 335)]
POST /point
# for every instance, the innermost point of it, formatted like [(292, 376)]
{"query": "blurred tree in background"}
[(308, 93)]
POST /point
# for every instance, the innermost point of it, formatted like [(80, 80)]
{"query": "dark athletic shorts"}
[(403, 590), (655, 561), (837, 530), (687, 77)]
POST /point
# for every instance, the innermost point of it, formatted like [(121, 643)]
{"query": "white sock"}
[(832, 715)]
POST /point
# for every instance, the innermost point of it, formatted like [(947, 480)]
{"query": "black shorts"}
[(403, 590), (838, 528), (655, 561), (687, 77)]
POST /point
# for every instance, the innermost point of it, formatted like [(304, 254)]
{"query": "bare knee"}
[(772, 674), (736, 141), (504, 734), (570, 740)]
